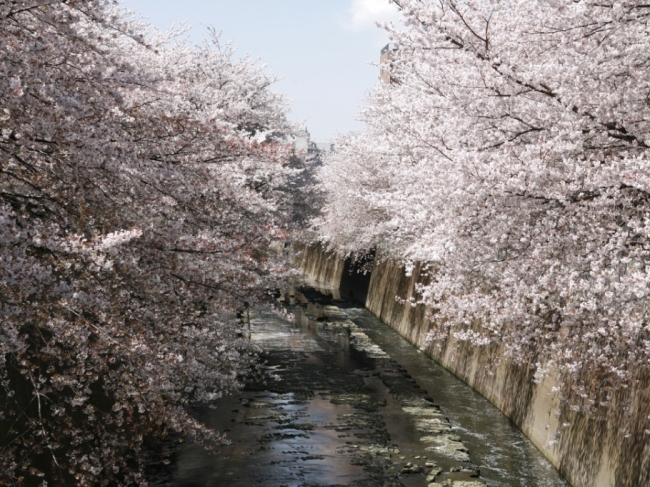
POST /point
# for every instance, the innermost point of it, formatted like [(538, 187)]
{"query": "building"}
[(385, 63), (302, 143), (322, 148)]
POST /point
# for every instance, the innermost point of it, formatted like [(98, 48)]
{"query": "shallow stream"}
[(505, 456), (355, 404)]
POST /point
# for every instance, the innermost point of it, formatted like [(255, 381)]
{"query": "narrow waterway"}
[(353, 403), (505, 456)]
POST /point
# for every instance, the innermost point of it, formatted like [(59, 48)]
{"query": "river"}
[(353, 403)]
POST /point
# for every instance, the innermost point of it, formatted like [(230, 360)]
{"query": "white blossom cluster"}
[(142, 196), (511, 152)]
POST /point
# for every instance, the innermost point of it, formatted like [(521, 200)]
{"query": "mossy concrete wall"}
[(588, 451)]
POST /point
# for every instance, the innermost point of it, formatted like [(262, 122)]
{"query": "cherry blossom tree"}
[(142, 199), (511, 153)]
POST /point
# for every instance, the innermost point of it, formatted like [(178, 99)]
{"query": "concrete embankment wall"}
[(588, 451), (320, 266)]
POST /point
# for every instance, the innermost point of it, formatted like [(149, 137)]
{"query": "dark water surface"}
[(336, 416), (506, 457)]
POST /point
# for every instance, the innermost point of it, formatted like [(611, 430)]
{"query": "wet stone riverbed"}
[(340, 410)]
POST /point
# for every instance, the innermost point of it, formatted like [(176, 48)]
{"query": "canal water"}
[(505, 456), (349, 402)]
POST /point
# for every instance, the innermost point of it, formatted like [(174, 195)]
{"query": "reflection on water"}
[(506, 457), (332, 418), (291, 431)]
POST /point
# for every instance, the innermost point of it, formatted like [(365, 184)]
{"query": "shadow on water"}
[(506, 457), (308, 428), (334, 417)]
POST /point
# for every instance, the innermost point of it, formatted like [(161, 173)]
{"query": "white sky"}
[(321, 48)]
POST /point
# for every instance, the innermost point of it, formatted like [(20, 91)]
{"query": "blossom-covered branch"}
[(141, 199), (511, 152)]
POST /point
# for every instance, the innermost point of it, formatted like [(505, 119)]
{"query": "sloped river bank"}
[(352, 403)]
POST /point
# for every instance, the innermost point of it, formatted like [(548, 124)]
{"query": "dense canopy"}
[(142, 199), (511, 152)]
